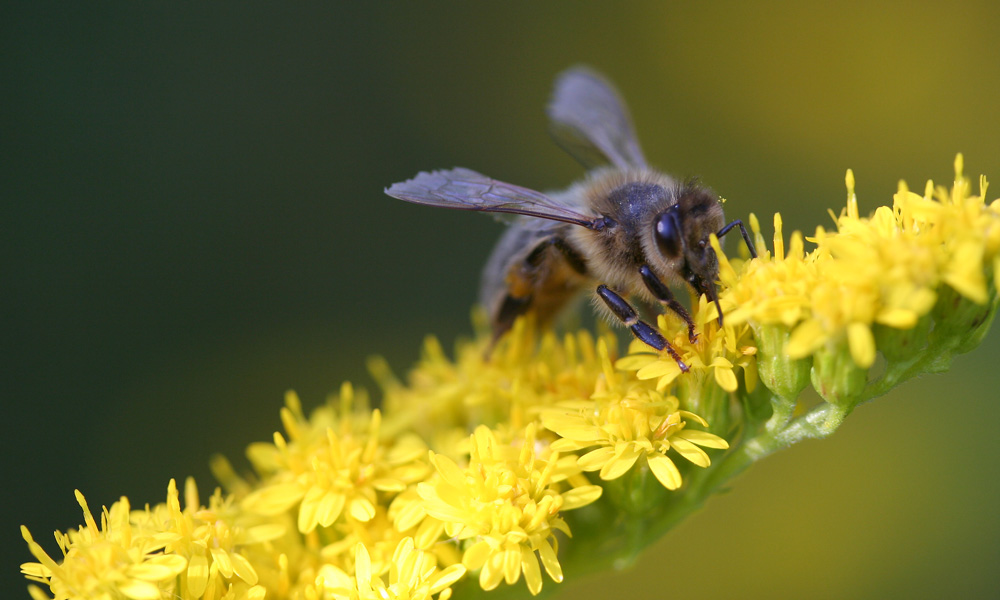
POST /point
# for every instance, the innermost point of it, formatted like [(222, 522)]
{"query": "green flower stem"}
[(818, 423), (782, 411)]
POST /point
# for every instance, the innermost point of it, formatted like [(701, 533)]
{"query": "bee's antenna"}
[(743, 232)]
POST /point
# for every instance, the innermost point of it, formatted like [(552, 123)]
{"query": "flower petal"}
[(596, 459), (726, 379), (137, 589), (476, 555), (532, 574), (447, 577), (690, 451), (512, 563), (197, 575), (550, 561), (581, 496), (703, 438), (659, 368), (665, 471), (243, 569), (621, 462), (862, 344)]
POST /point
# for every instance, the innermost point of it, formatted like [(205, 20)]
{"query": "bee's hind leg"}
[(643, 331), (511, 307)]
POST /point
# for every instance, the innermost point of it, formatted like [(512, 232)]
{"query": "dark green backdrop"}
[(193, 222)]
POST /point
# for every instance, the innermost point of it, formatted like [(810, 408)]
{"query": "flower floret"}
[(506, 502), (628, 418), (335, 468)]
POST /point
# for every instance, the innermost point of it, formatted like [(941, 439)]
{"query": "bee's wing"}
[(468, 190), (591, 122)]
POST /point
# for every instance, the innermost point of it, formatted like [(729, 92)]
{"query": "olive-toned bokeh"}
[(193, 222)]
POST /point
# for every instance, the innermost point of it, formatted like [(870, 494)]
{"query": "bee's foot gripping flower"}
[(474, 473)]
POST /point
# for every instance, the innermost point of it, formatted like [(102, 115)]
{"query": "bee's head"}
[(681, 235)]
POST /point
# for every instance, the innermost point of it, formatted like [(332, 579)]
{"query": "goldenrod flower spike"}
[(473, 474)]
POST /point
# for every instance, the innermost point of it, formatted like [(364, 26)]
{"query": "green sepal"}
[(785, 377), (961, 323), (902, 344), (836, 377)]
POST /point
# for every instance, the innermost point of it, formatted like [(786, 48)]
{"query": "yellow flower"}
[(715, 355), (412, 575), (506, 501), (214, 540), (104, 562), (783, 282), (628, 419), (333, 466)]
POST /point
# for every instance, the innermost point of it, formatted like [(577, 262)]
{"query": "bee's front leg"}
[(662, 293), (643, 331)]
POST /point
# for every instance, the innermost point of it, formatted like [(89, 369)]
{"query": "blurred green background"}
[(193, 222)]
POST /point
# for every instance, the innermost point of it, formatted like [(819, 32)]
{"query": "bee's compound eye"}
[(668, 235)]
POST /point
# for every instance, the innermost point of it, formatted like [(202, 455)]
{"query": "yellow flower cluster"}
[(350, 504), (159, 552), (333, 469), (471, 466), (883, 271), (505, 501)]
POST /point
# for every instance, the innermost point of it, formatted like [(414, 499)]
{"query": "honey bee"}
[(626, 226)]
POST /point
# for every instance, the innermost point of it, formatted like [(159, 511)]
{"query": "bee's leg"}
[(662, 293), (743, 231), (523, 278), (573, 258), (644, 332), (511, 307)]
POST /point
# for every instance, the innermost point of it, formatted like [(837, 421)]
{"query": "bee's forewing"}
[(591, 122), (468, 190)]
